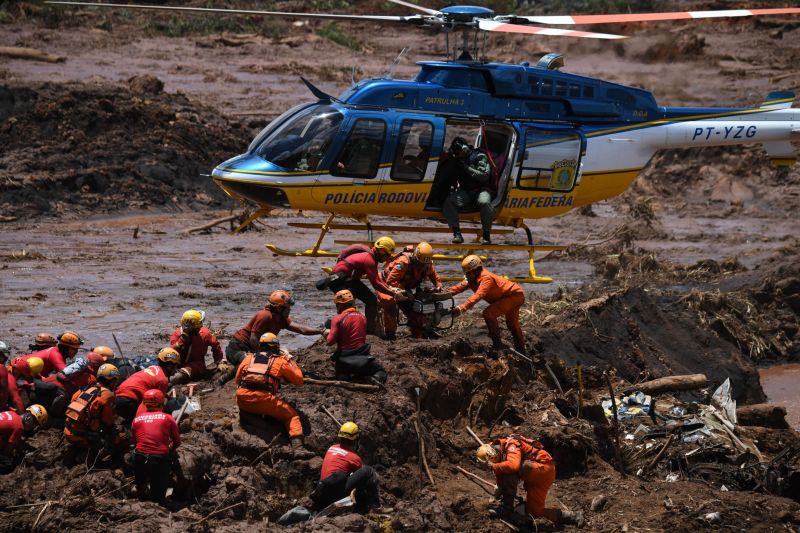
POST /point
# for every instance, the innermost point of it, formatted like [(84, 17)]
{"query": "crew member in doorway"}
[(472, 188)]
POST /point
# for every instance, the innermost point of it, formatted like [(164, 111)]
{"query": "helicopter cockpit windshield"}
[(301, 142)]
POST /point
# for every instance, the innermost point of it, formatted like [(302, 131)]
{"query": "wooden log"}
[(617, 452), (363, 387), (479, 479), (215, 222), (18, 52), (762, 414), (670, 384)]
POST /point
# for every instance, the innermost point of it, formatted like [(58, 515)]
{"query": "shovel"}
[(191, 405), (336, 507)]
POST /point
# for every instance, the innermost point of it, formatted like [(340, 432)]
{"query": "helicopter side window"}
[(413, 150), (561, 88), (551, 161), (301, 142), (361, 155)]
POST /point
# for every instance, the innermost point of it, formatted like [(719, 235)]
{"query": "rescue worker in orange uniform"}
[(131, 391), (517, 458), (258, 379), (407, 271), (13, 428), (272, 319), (348, 331), (504, 297), (91, 415), (192, 340), (157, 437), (42, 341), (56, 357), (9, 394)]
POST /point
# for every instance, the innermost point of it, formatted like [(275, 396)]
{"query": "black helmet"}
[(458, 145)]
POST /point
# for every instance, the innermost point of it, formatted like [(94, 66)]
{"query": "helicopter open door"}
[(552, 159)]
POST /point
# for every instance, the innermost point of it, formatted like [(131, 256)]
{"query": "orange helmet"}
[(45, 340), (169, 355), (153, 399), (423, 252), (269, 338), (105, 351), (280, 299), (70, 339), (470, 263), (343, 296)]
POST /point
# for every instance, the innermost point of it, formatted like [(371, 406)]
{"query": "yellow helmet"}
[(70, 339), (487, 454), (343, 296), (169, 355), (105, 351), (35, 365), (192, 319), (349, 431), (39, 413), (269, 338), (423, 252), (107, 371), (471, 262), (385, 243)]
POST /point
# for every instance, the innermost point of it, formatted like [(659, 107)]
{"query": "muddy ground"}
[(694, 269)]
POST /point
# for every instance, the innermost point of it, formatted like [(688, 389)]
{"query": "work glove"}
[(457, 311), (223, 366), (326, 332)]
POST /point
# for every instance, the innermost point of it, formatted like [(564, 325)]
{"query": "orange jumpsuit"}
[(404, 272), (263, 399), (524, 459), (505, 298), (100, 414)]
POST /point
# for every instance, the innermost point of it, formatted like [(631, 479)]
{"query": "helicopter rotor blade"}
[(492, 25), (371, 18), (415, 6), (650, 17)]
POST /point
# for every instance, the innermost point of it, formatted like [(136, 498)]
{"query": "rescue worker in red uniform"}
[(23, 372), (9, 394), (348, 331), (157, 438), (192, 340), (105, 351), (272, 319), (504, 297), (343, 471), (258, 379), (42, 341), (130, 392), (357, 261), (91, 415), (55, 358), (55, 390), (407, 271), (13, 428), (517, 458)]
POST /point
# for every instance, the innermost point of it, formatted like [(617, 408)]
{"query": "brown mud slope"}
[(77, 149)]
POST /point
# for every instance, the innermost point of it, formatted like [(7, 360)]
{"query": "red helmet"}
[(95, 360), (44, 339), (154, 399)]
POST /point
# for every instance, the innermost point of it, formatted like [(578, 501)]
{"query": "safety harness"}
[(77, 413), (535, 447), (258, 374), (408, 276), (351, 250)]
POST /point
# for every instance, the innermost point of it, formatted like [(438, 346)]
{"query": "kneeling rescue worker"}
[(131, 391), (90, 416), (156, 436), (517, 458), (259, 377), (343, 471), (192, 340), (9, 394), (12, 428), (349, 333), (504, 297)]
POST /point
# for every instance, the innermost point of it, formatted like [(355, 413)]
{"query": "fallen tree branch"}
[(474, 436), (343, 384), (670, 384), (422, 458), (212, 513), (18, 52), (617, 453), (660, 453), (335, 421), (555, 379), (215, 222), (482, 482)]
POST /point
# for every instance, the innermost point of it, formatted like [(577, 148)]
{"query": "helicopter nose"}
[(251, 178)]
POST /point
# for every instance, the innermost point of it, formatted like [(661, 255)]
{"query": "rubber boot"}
[(573, 518), (391, 336), (487, 237), (497, 343), (457, 237)]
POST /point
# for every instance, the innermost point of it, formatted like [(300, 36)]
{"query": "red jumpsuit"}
[(11, 431), (337, 459), (405, 273), (348, 330), (262, 399), (155, 433), (52, 357), (504, 297), (100, 414), (152, 377), (9, 393), (362, 264), (193, 354), (74, 382), (521, 459), (265, 321)]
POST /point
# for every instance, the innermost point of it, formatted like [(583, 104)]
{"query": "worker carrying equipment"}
[(407, 271), (348, 331), (272, 319), (357, 261), (516, 458), (91, 417), (343, 471), (130, 392), (156, 437), (192, 340), (13, 427), (258, 378), (505, 298)]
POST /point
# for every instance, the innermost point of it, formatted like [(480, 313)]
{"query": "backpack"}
[(78, 410)]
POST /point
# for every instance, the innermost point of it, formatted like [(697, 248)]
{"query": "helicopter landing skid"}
[(314, 251)]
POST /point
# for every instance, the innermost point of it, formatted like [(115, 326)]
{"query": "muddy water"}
[(780, 383)]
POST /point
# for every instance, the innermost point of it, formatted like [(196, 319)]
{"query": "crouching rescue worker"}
[(349, 333), (131, 391), (42, 341), (55, 358), (192, 340), (13, 428), (259, 377), (517, 458), (90, 416), (9, 394), (343, 471), (156, 437), (504, 297), (23, 372), (272, 319), (55, 391), (355, 262), (407, 271)]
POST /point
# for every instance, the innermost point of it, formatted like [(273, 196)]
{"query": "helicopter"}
[(556, 141)]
